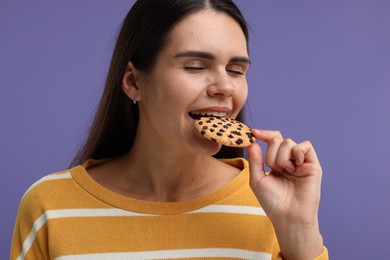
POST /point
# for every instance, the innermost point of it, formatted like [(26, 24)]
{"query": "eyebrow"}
[(209, 56)]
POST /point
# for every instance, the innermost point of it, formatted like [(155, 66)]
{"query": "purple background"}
[(320, 71)]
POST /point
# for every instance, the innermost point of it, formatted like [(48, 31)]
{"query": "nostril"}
[(223, 88)]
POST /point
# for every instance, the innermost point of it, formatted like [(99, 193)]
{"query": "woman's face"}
[(201, 70)]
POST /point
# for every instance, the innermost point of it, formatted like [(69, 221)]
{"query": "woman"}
[(156, 189)]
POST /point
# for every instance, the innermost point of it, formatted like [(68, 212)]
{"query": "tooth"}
[(209, 113)]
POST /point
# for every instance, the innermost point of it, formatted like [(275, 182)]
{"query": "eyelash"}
[(236, 72), (194, 68), (190, 68)]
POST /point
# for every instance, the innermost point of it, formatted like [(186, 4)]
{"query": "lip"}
[(218, 109)]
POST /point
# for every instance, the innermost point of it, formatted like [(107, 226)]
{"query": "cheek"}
[(242, 96), (164, 102)]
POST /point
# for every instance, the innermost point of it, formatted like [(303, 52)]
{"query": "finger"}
[(304, 152), (256, 166), (284, 158), (273, 139), (272, 153), (266, 135)]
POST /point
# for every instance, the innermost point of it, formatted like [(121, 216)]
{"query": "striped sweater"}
[(67, 215)]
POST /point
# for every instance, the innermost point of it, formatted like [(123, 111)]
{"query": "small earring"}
[(134, 101)]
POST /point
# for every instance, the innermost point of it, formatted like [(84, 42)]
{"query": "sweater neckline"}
[(86, 182)]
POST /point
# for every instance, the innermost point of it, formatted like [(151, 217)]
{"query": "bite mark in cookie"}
[(226, 131)]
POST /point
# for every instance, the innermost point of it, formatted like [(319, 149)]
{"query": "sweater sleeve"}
[(277, 255), (30, 234), (323, 256)]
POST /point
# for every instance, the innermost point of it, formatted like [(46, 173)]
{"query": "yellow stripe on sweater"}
[(224, 253)]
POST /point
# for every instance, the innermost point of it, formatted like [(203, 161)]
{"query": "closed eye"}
[(238, 72), (237, 69), (194, 68)]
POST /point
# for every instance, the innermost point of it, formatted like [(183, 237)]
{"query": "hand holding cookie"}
[(290, 193)]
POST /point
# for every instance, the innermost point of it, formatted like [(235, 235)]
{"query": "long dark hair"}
[(143, 34)]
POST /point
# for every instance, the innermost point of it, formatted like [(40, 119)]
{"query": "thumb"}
[(256, 166)]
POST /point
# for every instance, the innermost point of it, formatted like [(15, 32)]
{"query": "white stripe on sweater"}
[(174, 254), (51, 177)]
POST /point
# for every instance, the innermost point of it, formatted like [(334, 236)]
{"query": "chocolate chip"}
[(236, 133), (239, 141)]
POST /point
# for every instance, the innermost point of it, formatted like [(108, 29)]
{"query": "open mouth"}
[(197, 115)]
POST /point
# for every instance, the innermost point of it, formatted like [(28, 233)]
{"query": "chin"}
[(201, 145), (208, 147)]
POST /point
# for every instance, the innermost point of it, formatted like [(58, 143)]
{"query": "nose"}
[(222, 85)]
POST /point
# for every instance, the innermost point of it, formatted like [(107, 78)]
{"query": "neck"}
[(162, 174)]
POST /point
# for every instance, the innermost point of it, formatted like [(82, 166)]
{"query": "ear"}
[(130, 82)]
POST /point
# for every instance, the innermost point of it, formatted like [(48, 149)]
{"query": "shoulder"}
[(41, 197), (48, 182), (44, 190), (62, 189)]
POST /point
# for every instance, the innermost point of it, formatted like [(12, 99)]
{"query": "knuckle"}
[(307, 142), (275, 134), (276, 140), (303, 146), (288, 141), (316, 169), (296, 148), (278, 134)]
